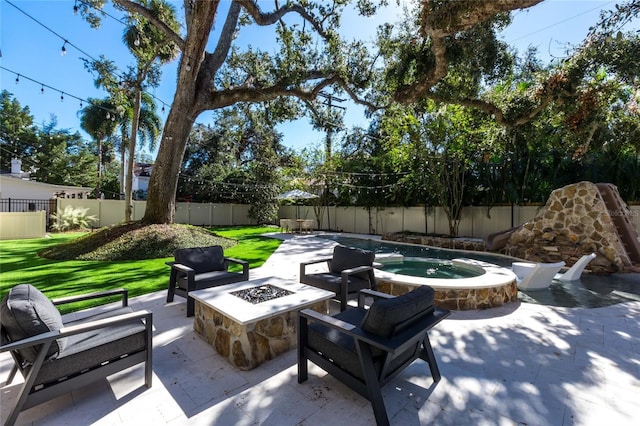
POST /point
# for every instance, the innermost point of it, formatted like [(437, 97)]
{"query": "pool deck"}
[(521, 363)]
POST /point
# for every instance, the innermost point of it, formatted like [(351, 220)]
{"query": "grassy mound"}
[(134, 241)]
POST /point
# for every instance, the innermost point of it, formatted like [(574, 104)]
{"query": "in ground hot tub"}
[(460, 284)]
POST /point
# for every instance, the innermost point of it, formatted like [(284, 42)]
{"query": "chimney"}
[(16, 167)]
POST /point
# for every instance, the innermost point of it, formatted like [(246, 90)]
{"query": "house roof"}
[(7, 178)]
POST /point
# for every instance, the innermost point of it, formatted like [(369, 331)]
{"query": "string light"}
[(163, 108), (63, 51), (75, 8), (61, 96), (42, 90), (18, 79)]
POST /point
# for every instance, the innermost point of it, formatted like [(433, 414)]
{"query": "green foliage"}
[(72, 219), (49, 154), (237, 160)]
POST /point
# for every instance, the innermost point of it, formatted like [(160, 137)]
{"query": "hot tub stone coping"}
[(494, 276)]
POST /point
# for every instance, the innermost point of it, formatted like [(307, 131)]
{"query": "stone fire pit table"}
[(248, 334)]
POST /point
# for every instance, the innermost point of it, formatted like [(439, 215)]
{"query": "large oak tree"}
[(309, 58)]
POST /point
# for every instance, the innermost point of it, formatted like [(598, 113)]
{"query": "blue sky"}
[(34, 52)]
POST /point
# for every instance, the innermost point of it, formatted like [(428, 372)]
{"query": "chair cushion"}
[(201, 259), (26, 312), (385, 314), (349, 257), (211, 279), (341, 348), (335, 345), (332, 282), (88, 350)]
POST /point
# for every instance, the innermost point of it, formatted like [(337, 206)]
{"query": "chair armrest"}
[(238, 261), (366, 292), (303, 265), (396, 344), (80, 328), (70, 299), (347, 328), (326, 319), (182, 268), (313, 261), (243, 263), (357, 270)]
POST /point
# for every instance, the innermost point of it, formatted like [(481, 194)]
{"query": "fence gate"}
[(26, 205)]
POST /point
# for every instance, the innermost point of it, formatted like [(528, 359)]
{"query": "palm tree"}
[(151, 47), (98, 120), (149, 128)]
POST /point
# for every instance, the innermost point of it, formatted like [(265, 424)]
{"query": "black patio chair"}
[(350, 270), (366, 348), (55, 357), (199, 268)]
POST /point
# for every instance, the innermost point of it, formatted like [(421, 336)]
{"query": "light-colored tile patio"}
[(517, 364)]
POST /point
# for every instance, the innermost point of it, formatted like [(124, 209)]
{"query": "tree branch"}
[(263, 19), (148, 14), (440, 21), (216, 59)]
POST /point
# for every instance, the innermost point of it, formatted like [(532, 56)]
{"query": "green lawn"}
[(20, 264)]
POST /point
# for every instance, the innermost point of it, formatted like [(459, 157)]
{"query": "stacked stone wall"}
[(574, 222)]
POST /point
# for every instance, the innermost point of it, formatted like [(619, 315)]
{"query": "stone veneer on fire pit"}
[(247, 334)]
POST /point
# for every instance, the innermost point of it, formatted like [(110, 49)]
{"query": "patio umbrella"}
[(296, 194)]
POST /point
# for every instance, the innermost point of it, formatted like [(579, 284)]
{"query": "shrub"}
[(72, 218)]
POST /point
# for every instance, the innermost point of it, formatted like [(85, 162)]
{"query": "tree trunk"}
[(123, 150), (163, 184), (99, 185), (128, 205)]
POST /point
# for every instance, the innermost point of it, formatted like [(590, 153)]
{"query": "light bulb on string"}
[(108, 115), (61, 96), (75, 8), (63, 51), (136, 42), (163, 108), (18, 79), (81, 106), (42, 90)]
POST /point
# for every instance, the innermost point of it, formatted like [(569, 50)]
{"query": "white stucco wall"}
[(11, 187)]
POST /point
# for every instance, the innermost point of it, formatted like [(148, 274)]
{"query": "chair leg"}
[(373, 386), (12, 374), (303, 368), (172, 286), (430, 358), (191, 306), (148, 364), (29, 381)]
